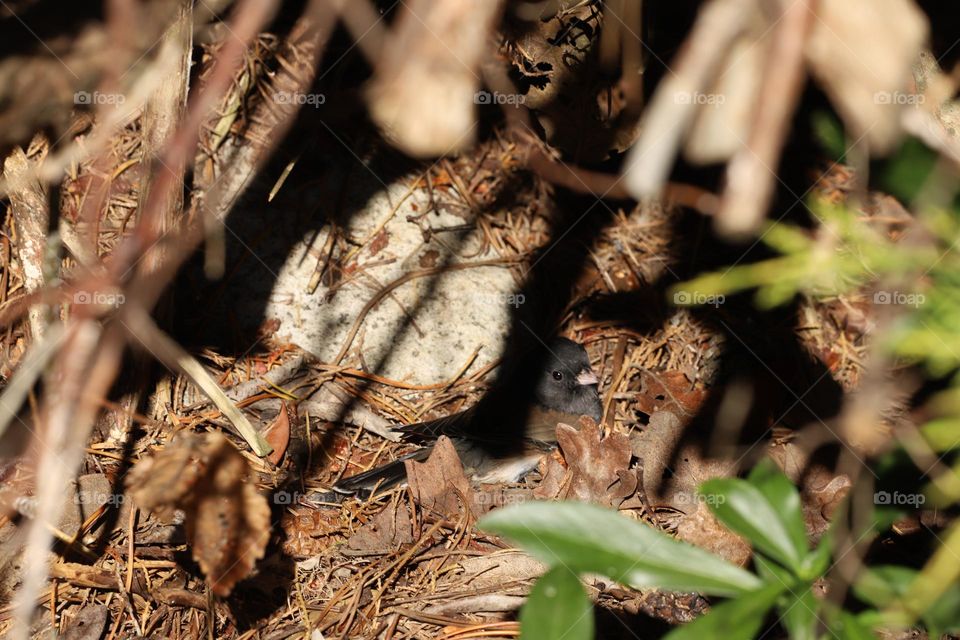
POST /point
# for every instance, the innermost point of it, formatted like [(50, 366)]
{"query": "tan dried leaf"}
[(227, 519), (861, 52), (439, 483), (727, 109), (277, 434), (669, 391), (599, 466), (821, 489), (390, 528), (423, 93), (665, 454)]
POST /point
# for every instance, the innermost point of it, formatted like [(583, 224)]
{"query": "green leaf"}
[(784, 498), (746, 510), (850, 627), (797, 606), (829, 133), (816, 563), (908, 169), (558, 607), (883, 518), (944, 615), (881, 585), (738, 619), (586, 538), (799, 614), (774, 574), (942, 434)]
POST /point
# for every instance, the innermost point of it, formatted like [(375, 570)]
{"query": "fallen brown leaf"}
[(672, 471), (88, 624), (389, 528), (227, 519), (821, 490), (669, 391), (379, 242), (553, 472), (306, 531), (599, 467), (277, 435), (439, 483)]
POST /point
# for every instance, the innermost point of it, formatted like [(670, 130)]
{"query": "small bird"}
[(505, 435)]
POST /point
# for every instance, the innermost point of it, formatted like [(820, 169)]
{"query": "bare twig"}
[(669, 116), (31, 214), (750, 173), (91, 357)]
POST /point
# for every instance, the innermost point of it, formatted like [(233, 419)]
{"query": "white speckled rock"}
[(453, 313)]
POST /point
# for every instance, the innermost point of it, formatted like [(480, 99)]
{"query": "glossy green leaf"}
[(746, 510), (829, 133), (881, 585), (586, 538), (784, 498), (942, 434), (796, 606), (816, 563), (850, 627), (908, 169), (558, 607), (944, 616), (738, 619)]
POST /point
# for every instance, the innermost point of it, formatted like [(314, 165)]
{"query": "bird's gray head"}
[(567, 382)]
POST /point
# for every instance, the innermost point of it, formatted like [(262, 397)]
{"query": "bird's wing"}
[(382, 477), (453, 426)]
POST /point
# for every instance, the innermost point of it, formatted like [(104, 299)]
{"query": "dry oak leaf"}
[(821, 490), (227, 519), (277, 434), (599, 466), (439, 483), (672, 471), (387, 530), (669, 391), (87, 624)]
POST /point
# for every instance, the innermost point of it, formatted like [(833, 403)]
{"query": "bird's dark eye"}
[(558, 375)]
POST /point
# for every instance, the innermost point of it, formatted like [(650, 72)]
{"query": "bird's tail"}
[(380, 478)]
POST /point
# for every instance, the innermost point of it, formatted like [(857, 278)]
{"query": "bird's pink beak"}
[(587, 377)]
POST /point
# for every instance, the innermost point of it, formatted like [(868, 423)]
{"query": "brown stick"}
[(91, 360), (750, 173), (31, 216)]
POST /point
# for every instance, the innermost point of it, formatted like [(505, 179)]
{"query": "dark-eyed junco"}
[(504, 436)]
